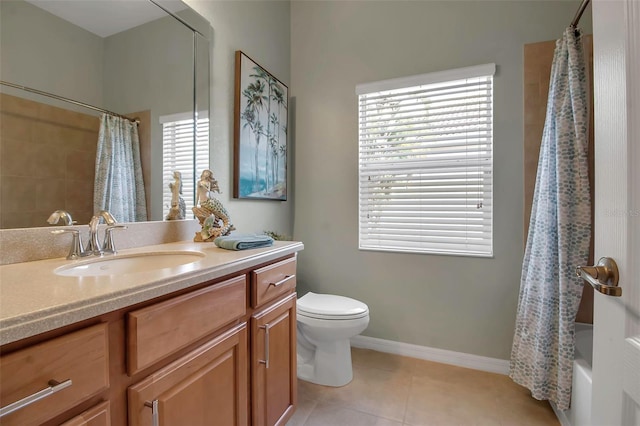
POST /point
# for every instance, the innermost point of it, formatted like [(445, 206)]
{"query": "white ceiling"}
[(108, 17)]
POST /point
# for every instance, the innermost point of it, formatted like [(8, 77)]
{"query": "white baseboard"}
[(477, 362)]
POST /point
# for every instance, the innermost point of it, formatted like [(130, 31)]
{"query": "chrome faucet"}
[(93, 246), (61, 214)]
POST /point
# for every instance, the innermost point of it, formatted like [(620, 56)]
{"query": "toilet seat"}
[(331, 307)]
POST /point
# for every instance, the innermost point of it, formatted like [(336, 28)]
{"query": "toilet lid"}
[(329, 306)]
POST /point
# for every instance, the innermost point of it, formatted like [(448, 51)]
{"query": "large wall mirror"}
[(147, 60)]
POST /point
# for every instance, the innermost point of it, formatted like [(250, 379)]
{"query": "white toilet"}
[(325, 325)]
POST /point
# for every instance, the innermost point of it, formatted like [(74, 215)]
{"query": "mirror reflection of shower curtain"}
[(559, 235), (118, 186)]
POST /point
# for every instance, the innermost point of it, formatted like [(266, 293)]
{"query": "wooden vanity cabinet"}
[(244, 376), (220, 354)]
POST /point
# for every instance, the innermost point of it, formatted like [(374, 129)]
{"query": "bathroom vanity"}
[(211, 342)]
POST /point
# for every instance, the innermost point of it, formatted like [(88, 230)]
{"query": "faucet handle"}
[(77, 250), (109, 247), (108, 217)]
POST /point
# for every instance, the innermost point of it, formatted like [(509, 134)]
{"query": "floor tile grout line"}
[(345, 407), (358, 410), (306, 419), (404, 413), (406, 402), (350, 407)]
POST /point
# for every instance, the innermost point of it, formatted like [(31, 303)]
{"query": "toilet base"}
[(329, 364)]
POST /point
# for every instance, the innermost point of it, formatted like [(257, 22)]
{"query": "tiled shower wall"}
[(47, 162)]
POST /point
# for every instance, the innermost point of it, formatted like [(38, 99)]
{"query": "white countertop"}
[(33, 299)]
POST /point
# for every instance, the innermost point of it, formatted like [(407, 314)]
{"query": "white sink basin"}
[(128, 264)]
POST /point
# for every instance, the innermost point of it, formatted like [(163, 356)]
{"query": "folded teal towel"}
[(243, 242)]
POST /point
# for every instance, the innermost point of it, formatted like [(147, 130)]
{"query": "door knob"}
[(603, 277)]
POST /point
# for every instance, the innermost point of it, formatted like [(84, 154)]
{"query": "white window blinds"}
[(177, 154), (425, 163)]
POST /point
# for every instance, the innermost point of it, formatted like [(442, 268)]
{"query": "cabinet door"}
[(273, 363), (207, 387)]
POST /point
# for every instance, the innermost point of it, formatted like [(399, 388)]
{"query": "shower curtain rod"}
[(60, 98), (579, 13)]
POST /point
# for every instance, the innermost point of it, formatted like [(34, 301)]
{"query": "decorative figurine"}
[(206, 185), (211, 214), (178, 208)]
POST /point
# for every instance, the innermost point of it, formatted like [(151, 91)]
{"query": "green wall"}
[(461, 304), (261, 29), (34, 56)]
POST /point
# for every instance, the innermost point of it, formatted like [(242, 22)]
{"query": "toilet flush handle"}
[(282, 281)]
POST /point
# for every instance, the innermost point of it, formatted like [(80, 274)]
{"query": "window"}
[(425, 163), (178, 154)]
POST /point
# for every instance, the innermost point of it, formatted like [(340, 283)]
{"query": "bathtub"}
[(579, 414)]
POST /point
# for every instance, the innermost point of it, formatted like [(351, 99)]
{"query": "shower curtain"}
[(559, 235), (118, 186)]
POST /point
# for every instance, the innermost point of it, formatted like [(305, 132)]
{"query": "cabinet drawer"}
[(81, 357), (272, 281), (165, 328), (99, 415), (207, 387)]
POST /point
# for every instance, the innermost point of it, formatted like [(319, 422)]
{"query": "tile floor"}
[(391, 390)]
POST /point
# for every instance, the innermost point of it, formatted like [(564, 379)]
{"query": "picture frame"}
[(260, 132)]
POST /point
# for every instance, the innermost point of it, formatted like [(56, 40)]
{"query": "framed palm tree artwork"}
[(260, 132)]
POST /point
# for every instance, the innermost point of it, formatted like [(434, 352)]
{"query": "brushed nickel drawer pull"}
[(282, 281), (265, 361), (54, 387), (155, 420)]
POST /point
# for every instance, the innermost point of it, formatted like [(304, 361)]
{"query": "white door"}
[(616, 354)]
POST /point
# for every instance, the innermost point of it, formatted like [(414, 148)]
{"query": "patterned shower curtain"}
[(559, 234), (118, 185)]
